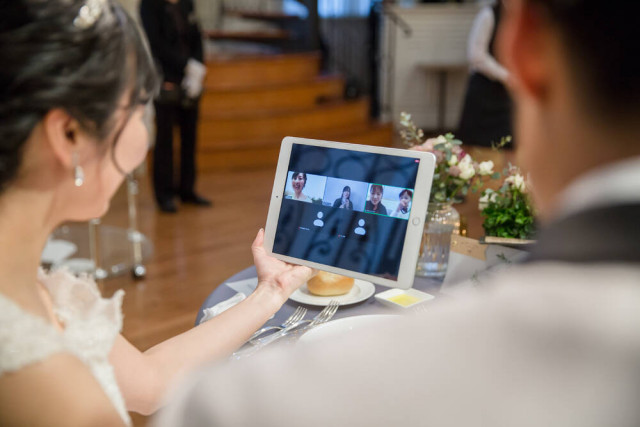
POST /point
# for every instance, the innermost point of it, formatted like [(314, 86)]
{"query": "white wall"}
[(439, 34)]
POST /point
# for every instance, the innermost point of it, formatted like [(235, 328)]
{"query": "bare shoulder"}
[(57, 391)]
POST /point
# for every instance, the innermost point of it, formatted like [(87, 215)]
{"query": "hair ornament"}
[(89, 13)]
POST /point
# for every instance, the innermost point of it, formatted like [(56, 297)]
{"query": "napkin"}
[(246, 286), (465, 272), (211, 312)]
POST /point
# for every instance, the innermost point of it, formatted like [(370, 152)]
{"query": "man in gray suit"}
[(553, 342)]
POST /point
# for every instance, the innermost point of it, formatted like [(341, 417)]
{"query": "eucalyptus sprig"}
[(504, 141), (411, 135)]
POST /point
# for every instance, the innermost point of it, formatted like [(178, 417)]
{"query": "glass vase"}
[(440, 223)]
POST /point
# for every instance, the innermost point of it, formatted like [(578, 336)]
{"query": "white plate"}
[(361, 291), (344, 326)]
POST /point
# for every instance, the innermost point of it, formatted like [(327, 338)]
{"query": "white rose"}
[(467, 159), (453, 160), (485, 168), (467, 170), (517, 182), (441, 139), (405, 118), (489, 196)]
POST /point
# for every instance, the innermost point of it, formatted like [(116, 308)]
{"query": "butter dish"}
[(403, 298)]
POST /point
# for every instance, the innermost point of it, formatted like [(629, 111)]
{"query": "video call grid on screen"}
[(331, 216)]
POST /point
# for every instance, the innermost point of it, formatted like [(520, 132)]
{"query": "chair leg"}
[(138, 270), (99, 273)]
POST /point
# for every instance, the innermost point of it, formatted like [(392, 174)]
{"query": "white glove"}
[(194, 73), (191, 86)]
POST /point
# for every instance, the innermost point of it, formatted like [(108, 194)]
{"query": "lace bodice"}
[(91, 324)]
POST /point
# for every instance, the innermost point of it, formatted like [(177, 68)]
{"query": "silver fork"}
[(329, 311), (294, 318), (324, 316)]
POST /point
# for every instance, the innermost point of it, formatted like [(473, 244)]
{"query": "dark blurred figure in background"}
[(486, 115), (176, 44)]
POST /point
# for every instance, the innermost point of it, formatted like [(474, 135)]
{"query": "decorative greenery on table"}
[(508, 212)]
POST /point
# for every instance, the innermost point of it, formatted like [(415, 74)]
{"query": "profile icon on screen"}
[(319, 222), (403, 208), (374, 204), (344, 202), (360, 229)]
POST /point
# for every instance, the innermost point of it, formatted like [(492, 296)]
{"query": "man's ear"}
[(61, 131), (523, 46)]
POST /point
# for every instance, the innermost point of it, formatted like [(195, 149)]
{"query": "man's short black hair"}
[(602, 41)]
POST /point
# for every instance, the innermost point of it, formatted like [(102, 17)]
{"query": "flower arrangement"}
[(508, 212), (456, 171)]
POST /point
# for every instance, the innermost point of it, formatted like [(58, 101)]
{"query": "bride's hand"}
[(281, 277)]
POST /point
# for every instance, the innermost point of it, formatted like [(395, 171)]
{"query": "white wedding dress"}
[(91, 324)]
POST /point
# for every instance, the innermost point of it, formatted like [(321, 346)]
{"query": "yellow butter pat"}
[(404, 299)]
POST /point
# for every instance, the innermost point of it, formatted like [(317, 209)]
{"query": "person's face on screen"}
[(346, 194), (298, 183), (376, 196), (404, 201)]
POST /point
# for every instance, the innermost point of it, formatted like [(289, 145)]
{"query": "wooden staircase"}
[(259, 23), (251, 102), (271, 36)]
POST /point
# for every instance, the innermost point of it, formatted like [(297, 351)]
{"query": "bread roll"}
[(329, 284)]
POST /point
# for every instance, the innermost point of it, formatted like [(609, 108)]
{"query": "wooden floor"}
[(197, 249), (194, 251)]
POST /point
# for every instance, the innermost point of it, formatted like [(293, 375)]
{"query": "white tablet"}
[(350, 209)]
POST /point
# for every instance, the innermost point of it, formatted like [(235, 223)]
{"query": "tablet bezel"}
[(413, 237)]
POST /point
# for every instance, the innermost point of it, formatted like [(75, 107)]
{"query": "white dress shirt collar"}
[(613, 184)]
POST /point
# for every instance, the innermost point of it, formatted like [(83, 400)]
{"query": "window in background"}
[(331, 8)]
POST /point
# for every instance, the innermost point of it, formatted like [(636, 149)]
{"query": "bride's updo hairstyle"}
[(81, 56)]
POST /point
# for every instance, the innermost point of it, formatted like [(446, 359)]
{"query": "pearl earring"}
[(78, 173)]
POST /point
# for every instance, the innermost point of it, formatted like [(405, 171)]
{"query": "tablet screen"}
[(346, 209)]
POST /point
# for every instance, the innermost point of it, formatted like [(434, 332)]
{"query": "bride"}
[(74, 80)]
